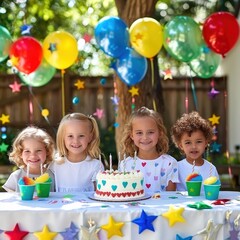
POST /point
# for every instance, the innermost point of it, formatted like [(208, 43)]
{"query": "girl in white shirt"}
[(146, 143), (76, 164)]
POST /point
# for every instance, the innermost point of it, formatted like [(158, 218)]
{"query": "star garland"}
[(113, 228), (115, 101), (174, 215), (16, 233), (134, 92)]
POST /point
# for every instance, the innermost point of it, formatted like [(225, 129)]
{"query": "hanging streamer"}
[(186, 96), (30, 106), (194, 94), (152, 73)]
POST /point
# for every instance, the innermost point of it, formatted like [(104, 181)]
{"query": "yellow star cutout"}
[(45, 234), (134, 91), (174, 215), (14, 60), (79, 84), (113, 228), (214, 119), (4, 118)]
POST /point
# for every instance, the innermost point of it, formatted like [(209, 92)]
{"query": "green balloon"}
[(5, 42), (182, 37), (39, 77), (206, 64)]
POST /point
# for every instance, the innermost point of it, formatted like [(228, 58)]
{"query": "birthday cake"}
[(115, 185)]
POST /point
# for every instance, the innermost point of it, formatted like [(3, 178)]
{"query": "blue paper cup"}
[(194, 188), (212, 191), (26, 191)]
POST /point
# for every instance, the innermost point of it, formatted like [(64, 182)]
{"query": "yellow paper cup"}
[(26, 191), (194, 188)]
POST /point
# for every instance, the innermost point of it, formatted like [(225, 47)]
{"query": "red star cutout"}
[(167, 74), (16, 87), (87, 37), (16, 233), (220, 201)]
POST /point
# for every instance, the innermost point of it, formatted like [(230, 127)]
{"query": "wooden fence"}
[(25, 107)]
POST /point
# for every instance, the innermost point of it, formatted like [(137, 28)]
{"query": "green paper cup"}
[(43, 189), (26, 191), (193, 188), (211, 191)]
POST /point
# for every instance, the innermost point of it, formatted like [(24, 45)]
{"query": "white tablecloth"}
[(61, 210)]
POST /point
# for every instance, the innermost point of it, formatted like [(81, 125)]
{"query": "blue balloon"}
[(111, 34), (131, 67)]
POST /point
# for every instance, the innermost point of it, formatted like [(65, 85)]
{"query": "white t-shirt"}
[(185, 168), (11, 185), (157, 172), (76, 176)]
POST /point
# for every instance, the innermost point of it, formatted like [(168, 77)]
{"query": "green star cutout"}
[(3, 147), (199, 206)]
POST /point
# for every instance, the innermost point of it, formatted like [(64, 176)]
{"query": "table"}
[(173, 216)]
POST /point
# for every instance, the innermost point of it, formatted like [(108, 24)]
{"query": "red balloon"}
[(26, 54), (221, 32)]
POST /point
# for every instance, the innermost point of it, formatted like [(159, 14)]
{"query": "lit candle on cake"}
[(100, 159), (110, 162), (124, 162), (119, 161)]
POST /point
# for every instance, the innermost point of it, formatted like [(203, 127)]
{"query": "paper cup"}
[(193, 188), (26, 191), (43, 189), (211, 191)]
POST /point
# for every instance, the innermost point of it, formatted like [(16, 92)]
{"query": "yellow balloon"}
[(60, 49), (146, 36)]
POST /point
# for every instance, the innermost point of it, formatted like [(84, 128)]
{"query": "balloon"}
[(146, 36), (39, 77), (60, 49), (182, 38), (206, 64), (131, 67), (112, 36), (26, 54), (221, 32), (5, 42)]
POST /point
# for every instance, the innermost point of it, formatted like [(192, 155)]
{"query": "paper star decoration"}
[(174, 215), (4, 118), (16, 233), (180, 238), (99, 113), (70, 232), (134, 91), (213, 93), (199, 205), (3, 147), (214, 119), (25, 29), (113, 228), (211, 230), (52, 47), (79, 84), (144, 222), (87, 37), (90, 233), (221, 201), (14, 60), (16, 87), (233, 232), (167, 74), (115, 100), (215, 147), (45, 234)]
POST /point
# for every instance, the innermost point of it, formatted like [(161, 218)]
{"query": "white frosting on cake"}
[(119, 185)]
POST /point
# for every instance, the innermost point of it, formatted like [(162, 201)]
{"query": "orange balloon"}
[(146, 36)]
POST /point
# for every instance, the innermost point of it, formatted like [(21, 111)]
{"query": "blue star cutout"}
[(144, 222), (103, 81), (52, 47), (180, 238), (116, 124), (233, 232), (115, 100), (70, 232), (25, 29), (215, 147)]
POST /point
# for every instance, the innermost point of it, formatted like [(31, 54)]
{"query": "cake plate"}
[(93, 197)]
